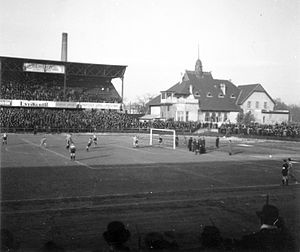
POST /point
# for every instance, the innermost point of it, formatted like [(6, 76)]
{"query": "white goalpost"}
[(168, 137)]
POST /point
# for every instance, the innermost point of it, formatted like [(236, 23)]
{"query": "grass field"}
[(46, 196)]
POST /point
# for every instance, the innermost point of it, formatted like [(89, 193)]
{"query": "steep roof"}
[(155, 101), (209, 91), (247, 90)]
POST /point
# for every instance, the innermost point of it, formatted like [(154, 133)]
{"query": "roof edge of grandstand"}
[(57, 61)]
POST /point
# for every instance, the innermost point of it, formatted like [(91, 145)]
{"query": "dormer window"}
[(232, 96), (221, 95), (223, 88), (209, 94)]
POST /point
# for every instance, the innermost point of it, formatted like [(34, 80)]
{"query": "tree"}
[(143, 100), (240, 117), (280, 105), (139, 106), (246, 119), (295, 113), (293, 108)]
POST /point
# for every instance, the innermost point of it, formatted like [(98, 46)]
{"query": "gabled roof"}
[(204, 85), (247, 90), (155, 101), (174, 88)]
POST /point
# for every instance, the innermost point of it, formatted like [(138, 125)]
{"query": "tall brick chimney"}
[(64, 47)]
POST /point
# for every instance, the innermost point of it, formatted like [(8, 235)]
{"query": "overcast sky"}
[(247, 41)]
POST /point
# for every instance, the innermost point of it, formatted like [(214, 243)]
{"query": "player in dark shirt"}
[(160, 139), (89, 144), (217, 142), (285, 173)]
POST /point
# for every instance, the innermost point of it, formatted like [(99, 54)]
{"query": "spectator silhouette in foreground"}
[(211, 238), (8, 241), (272, 236), (157, 241), (116, 235), (51, 246)]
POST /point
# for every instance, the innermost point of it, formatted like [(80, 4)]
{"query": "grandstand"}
[(56, 81)]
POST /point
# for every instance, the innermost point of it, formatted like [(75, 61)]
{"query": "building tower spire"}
[(198, 66)]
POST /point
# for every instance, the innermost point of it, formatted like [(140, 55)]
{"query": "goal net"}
[(163, 137)]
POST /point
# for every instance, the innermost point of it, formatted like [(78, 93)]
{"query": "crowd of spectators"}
[(53, 90), (80, 120), (276, 130)]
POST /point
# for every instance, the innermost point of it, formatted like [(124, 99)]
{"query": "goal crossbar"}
[(173, 133)]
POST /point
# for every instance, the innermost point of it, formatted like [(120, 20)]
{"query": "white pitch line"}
[(206, 190), (56, 153), (140, 149)]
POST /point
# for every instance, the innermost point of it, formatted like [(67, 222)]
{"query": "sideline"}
[(87, 201)]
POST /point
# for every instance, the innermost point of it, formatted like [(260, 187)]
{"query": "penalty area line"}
[(56, 153)]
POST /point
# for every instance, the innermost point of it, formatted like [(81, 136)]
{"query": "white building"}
[(200, 97)]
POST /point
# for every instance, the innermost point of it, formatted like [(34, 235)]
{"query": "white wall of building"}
[(232, 116), (257, 102), (155, 110), (272, 118), (187, 109)]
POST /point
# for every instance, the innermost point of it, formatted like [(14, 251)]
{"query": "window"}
[(207, 117), (221, 95), (213, 116), (187, 116), (179, 115), (225, 116), (265, 105), (163, 95), (209, 94), (232, 96), (257, 104), (249, 104), (197, 94), (219, 118), (168, 108)]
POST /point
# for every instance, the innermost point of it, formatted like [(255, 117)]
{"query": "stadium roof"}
[(11, 64)]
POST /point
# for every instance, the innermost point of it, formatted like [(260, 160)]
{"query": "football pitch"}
[(46, 196)]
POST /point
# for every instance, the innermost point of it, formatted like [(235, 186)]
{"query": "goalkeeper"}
[(160, 139), (135, 141)]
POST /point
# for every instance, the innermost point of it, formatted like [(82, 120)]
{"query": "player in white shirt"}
[(72, 151), (69, 141), (95, 139), (4, 138), (43, 142)]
